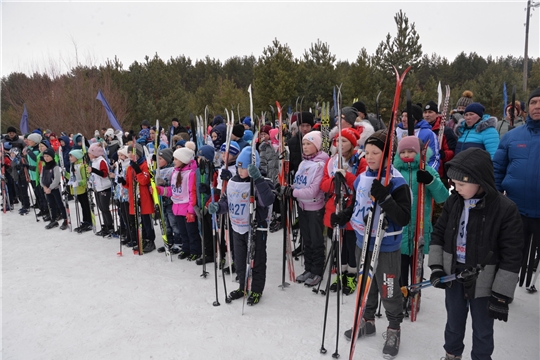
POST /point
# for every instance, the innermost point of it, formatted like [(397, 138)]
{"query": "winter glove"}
[(190, 218), (424, 177), (254, 172), (287, 191), (135, 167), (121, 180), (204, 189), (213, 208), (498, 307), (442, 155), (379, 191), (160, 181), (340, 219), (225, 175), (436, 274)]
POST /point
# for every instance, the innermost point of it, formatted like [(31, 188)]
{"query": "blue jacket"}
[(517, 167), (423, 131), (482, 135)]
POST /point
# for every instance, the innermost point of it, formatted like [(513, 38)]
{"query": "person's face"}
[(346, 146), (407, 155), (305, 128), (265, 136), (177, 163), (152, 134), (404, 120), (62, 143), (72, 159), (243, 173), (47, 158), (461, 108), (430, 116), (308, 148), (471, 118), (42, 147), (214, 136), (466, 190), (11, 134), (373, 156), (534, 108), (162, 162)]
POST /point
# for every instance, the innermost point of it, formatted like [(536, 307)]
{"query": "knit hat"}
[(181, 143), (166, 154), (49, 151), (77, 154), (458, 175), (7, 146), (409, 143), (476, 108), (238, 130), (234, 148), (138, 150), (266, 129), (305, 118), (465, 99), (352, 135), (207, 152), (108, 134), (350, 113), (247, 121), (174, 119), (315, 138), (124, 151), (145, 123), (431, 105), (244, 159), (11, 129), (361, 107), (191, 145), (184, 155), (416, 112), (96, 150), (534, 94), (378, 138), (35, 138), (248, 135)]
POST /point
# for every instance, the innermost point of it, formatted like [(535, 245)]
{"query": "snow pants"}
[(258, 270)]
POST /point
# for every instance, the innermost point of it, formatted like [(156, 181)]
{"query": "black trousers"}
[(258, 269)]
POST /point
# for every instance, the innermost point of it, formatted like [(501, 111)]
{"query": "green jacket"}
[(436, 190)]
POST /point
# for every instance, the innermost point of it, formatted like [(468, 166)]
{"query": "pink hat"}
[(409, 143), (315, 138), (96, 150)]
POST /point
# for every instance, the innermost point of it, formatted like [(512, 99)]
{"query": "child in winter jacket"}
[(99, 178), (121, 195), (205, 175), (236, 200), (165, 158), (183, 193), (353, 164), (476, 220), (138, 177), (395, 201), (306, 189), (50, 182), (78, 182), (408, 164)]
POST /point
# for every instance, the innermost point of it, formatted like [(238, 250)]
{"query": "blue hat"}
[(234, 148), (244, 159), (7, 146), (248, 135), (476, 108), (247, 121), (181, 143), (207, 151)]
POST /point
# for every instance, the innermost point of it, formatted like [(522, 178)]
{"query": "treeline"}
[(158, 89)]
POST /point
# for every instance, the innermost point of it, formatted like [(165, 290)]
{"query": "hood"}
[(66, 141), (477, 163), (221, 131)]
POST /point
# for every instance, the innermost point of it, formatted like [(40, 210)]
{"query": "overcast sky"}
[(40, 36)]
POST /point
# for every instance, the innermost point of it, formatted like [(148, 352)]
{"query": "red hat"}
[(351, 134)]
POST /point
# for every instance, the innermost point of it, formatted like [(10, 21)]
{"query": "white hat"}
[(184, 155)]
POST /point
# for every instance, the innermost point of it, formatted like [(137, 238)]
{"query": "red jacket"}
[(448, 154), (328, 186), (143, 178)]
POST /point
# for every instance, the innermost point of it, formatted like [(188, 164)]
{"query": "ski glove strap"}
[(436, 274), (498, 307)]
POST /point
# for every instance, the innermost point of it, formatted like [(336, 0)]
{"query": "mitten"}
[(213, 208), (340, 219), (379, 191), (437, 273), (424, 177), (225, 175), (135, 167), (254, 172), (204, 189), (190, 218), (121, 180), (498, 306), (287, 191)]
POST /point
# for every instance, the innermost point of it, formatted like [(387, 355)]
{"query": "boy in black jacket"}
[(475, 220), (235, 199)]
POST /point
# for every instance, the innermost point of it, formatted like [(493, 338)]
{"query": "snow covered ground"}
[(69, 296)]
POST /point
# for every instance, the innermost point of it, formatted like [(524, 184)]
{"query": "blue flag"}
[(505, 97), (24, 121), (110, 114)]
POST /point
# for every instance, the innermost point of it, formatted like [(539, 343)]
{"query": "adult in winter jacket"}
[(477, 130), (14, 139), (305, 122), (517, 172), (503, 125), (476, 220), (408, 164)]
